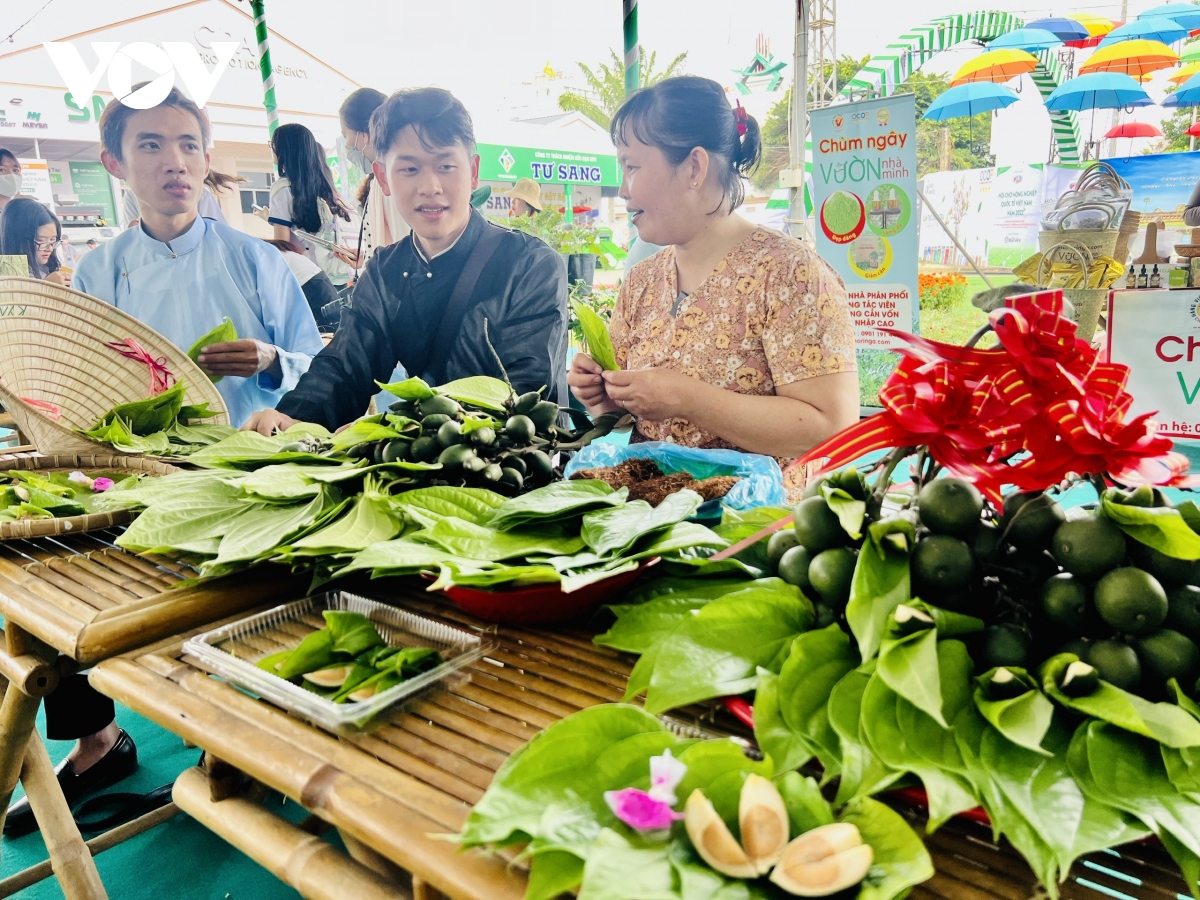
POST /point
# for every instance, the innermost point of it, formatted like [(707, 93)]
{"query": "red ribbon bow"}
[(161, 378), (741, 117)]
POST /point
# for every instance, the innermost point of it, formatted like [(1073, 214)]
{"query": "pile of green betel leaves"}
[(348, 660), (349, 517), (162, 425), (889, 679), (54, 495)]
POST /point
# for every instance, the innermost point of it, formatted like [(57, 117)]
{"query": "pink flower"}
[(640, 811), (99, 485), (650, 810)]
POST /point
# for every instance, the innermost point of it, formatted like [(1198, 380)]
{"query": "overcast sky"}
[(478, 48)]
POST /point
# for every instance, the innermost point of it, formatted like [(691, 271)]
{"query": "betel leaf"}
[(612, 531), (881, 582), (223, 333), (479, 390), (186, 521), (818, 661), (850, 512), (620, 869), (555, 503), (709, 761), (863, 772), (1162, 528), (462, 538), (1023, 719), (370, 519), (363, 433), (312, 653), (900, 858), (909, 666), (262, 527), (552, 873), (806, 806), (640, 627), (409, 389), (717, 649), (562, 760), (427, 506), (397, 557), (352, 632), (786, 747), (599, 344), (1163, 722)]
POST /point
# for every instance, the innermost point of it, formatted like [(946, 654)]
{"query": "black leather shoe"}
[(118, 763)]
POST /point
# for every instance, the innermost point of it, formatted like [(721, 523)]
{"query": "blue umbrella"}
[(1099, 90), (1031, 40), (970, 100), (1187, 95), (1156, 28), (1186, 15), (1063, 29)]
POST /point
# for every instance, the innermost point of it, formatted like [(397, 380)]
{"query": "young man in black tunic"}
[(423, 302)]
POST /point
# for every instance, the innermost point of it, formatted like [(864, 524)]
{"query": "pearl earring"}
[(695, 184)]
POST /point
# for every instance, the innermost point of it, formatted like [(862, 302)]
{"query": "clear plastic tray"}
[(233, 650)]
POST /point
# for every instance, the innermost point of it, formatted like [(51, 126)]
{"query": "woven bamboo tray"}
[(89, 599), (52, 349), (396, 789), (31, 528)]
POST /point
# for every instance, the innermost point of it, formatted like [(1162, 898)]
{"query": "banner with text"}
[(865, 197), (1157, 334)]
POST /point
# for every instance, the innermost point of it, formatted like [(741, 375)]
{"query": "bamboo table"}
[(69, 602), (392, 792)]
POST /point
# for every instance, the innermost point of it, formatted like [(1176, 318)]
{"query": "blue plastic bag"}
[(761, 481)]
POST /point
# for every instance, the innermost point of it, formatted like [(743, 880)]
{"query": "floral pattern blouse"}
[(771, 313)]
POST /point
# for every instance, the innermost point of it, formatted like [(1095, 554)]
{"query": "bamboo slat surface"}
[(89, 599), (421, 774)]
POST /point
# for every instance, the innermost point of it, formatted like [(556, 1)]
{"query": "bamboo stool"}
[(69, 602), (387, 793)]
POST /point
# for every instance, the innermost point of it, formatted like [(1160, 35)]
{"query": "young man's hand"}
[(588, 386), (241, 359), (268, 421)]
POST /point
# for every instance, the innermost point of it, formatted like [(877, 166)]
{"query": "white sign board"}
[(1157, 334), (35, 181)]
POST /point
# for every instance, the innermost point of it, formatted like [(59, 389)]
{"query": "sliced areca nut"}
[(910, 620), (331, 677), (1004, 685), (827, 875), (713, 840), (363, 693), (763, 820)]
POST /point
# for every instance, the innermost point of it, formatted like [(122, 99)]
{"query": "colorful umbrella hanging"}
[(1135, 57), (1185, 72), (1187, 95), (1134, 130), (1099, 90), (1097, 27), (1185, 14), (1065, 29), (970, 99), (996, 66), (1190, 52), (1031, 40), (1157, 28), (1194, 131)]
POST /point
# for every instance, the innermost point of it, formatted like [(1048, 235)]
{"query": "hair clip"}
[(740, 116)]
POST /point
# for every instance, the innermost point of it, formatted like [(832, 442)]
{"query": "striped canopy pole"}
[(264, 65), (632, 54)]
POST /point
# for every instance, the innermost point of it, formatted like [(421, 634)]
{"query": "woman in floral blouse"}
[(733, 335)]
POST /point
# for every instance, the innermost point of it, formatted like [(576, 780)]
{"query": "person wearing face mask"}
[(10, 178), (733, 335), (383, 223), (29, 229)]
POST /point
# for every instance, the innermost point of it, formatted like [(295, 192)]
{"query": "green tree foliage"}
[(970, 139), (606, 84), (1175, 138)]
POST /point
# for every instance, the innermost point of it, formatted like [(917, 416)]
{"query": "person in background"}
[(91, 244), (526, 197), (28, 229), (67, 254), (434, 301), (733, 335), (305, 202), (384, 224), (10, 178), (318, 289)]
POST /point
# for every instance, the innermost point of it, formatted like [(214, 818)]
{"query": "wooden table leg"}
[(69, 855), (18, 716), (422, 891)]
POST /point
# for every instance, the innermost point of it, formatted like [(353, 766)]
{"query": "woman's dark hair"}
[(679, 114), (439, 118), (18, 231), (355, 111), (219, 181), (284, 246), (8, 154), (302, 163)]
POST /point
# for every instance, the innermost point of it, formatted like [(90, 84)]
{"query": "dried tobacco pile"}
[(646, 481)]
